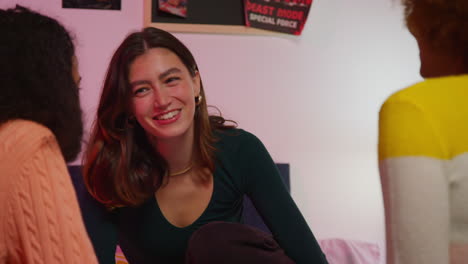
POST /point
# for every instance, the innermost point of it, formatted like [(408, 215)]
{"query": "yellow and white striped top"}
[(423, 160)]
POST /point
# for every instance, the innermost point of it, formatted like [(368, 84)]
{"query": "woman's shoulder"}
[(432, 90), (234, 135), (234, 140), (20, 137), (25, 131)]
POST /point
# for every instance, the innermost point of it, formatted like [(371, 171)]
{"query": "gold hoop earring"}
[(198, 99)]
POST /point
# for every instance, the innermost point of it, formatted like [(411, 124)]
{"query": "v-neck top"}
[(243, 166)]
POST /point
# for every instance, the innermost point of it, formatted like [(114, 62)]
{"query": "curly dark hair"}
[(442, 23), (36, 76)]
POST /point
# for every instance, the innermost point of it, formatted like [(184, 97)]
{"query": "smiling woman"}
[(163, 98), (172, 175)]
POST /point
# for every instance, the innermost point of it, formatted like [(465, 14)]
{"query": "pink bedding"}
[(343, 251)]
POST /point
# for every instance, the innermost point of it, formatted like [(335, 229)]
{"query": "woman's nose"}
[(161, 99)]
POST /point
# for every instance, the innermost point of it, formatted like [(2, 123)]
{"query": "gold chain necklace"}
[(189, 167)]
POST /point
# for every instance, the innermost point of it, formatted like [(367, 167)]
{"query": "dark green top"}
[(243, 166)]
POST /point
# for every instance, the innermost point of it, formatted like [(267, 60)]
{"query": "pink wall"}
[(313, 100)]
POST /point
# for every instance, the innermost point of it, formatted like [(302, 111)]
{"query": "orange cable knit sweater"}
[(40, 220)]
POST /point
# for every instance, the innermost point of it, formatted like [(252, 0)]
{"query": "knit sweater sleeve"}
[(415, 188), (46, 224), (263, 184)]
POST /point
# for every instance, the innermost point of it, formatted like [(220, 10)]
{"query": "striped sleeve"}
[(415, 189), (404, 130)]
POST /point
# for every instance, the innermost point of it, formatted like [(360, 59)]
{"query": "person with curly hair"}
[(40, 129), (423, 142), (174, 177)]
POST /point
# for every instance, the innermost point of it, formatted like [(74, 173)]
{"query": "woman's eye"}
[(172, 80), (140, 91)]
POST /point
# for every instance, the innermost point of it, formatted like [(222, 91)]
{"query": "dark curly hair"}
[(442, 23), (36, 76)]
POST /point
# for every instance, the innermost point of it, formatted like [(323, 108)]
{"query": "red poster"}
[(286, 16), (175, 7)]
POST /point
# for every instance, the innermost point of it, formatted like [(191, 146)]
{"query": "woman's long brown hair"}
[(121, 168)]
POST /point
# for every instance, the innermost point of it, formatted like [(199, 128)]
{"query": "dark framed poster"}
[(92, 4), (200, 16)]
